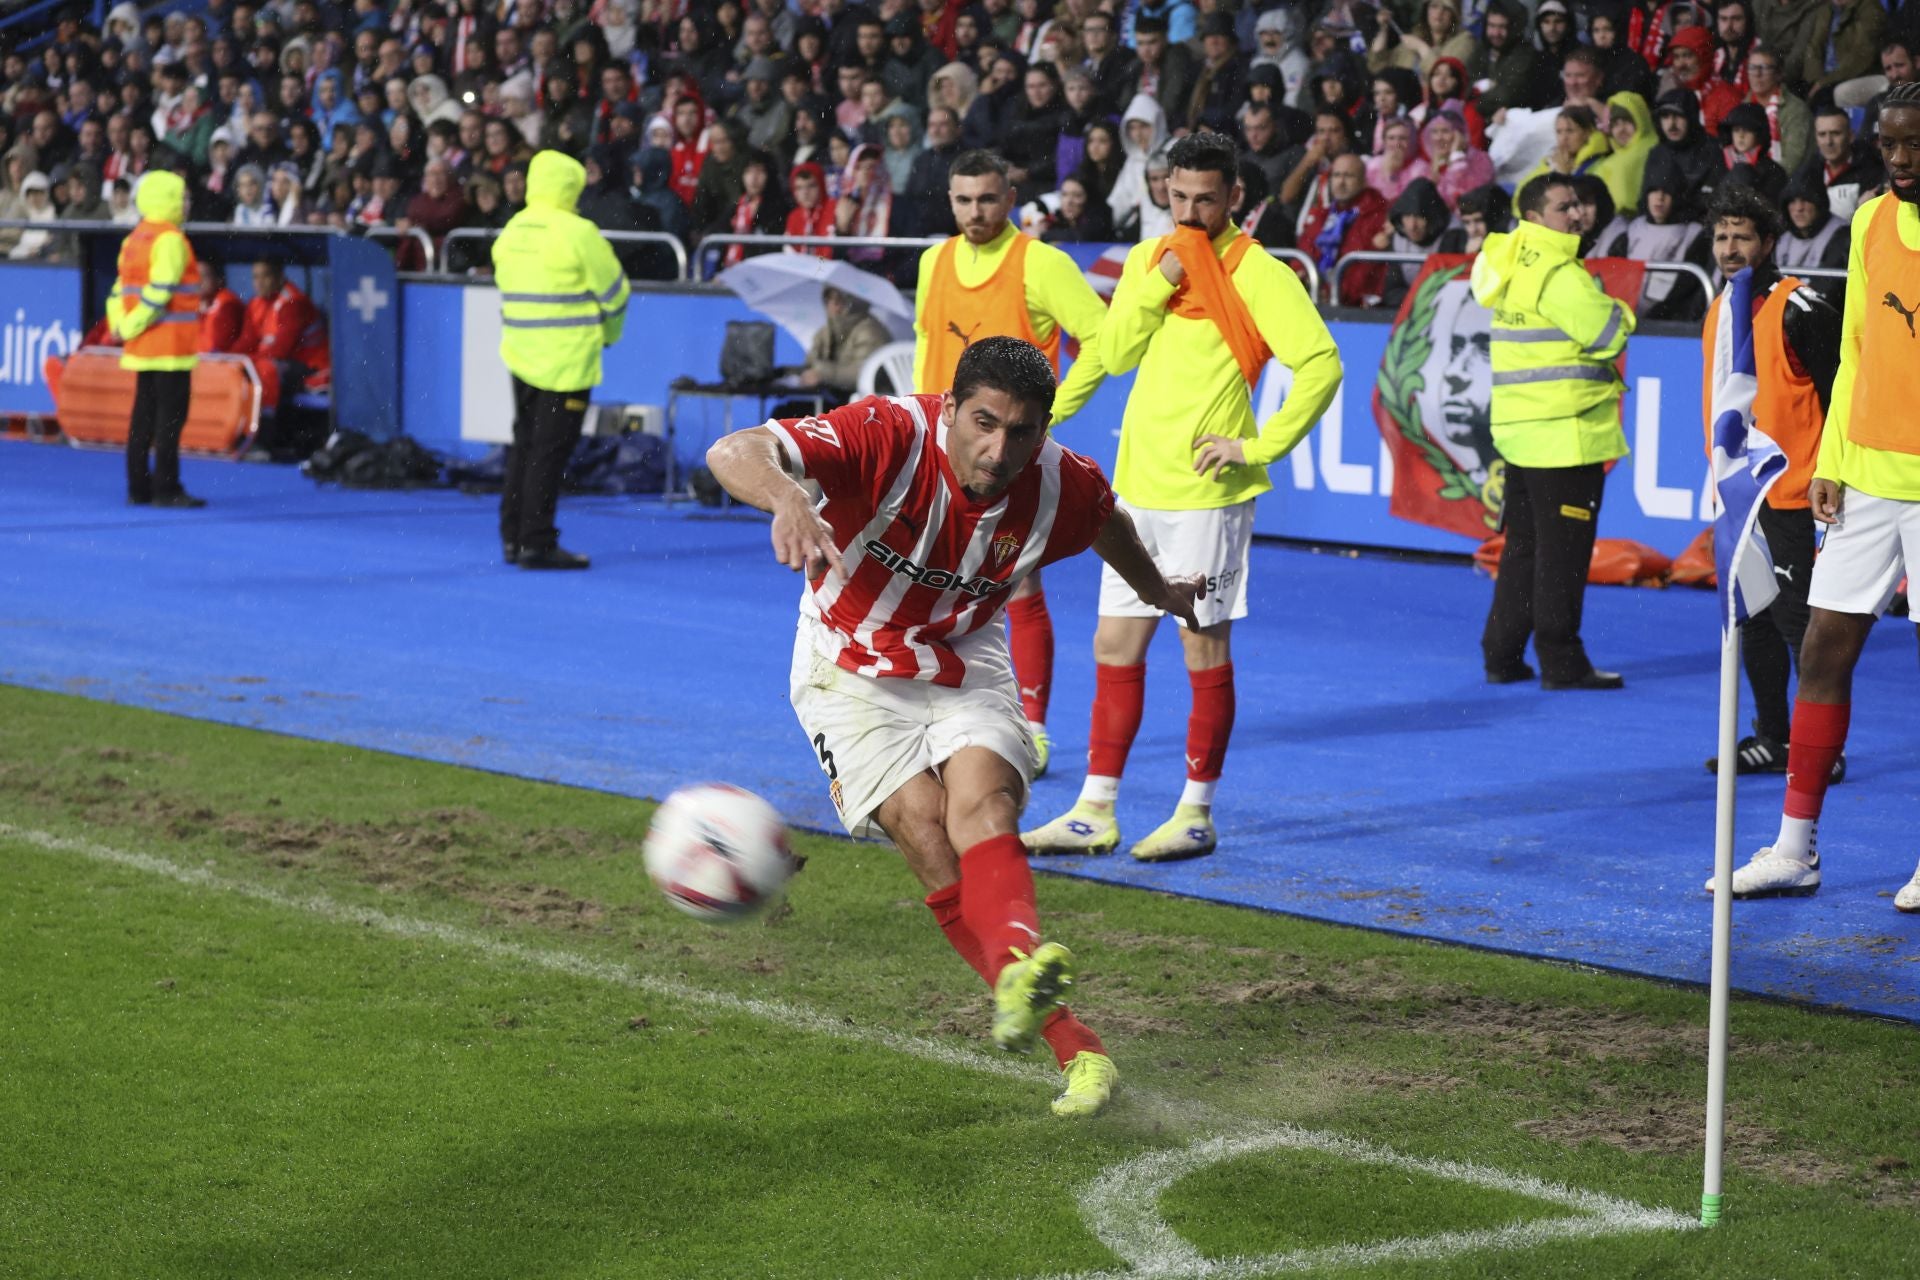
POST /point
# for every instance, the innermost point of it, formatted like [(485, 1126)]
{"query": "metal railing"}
[(1306, 265), (1661, 264), (414, 234), (1816, 273), (1365, 255), (712, 243), (665, 240)]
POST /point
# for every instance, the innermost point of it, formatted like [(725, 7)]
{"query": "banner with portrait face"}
[(1433, 400)]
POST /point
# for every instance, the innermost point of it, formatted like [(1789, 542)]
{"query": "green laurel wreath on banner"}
[(1401, 383)]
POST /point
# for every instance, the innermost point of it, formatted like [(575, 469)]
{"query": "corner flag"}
[(1746, 462)]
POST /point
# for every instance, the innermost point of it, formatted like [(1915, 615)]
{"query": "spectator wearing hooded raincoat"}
[(1630, 128), (1814, 237), (1417, 219), (1666, 230), (1143, 130)]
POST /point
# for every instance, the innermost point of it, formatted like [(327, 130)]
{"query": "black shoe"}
[(510, 552), (1758, 754), (551, 558), (1514, 674), (179, 499), (1839, 771), (1591, 680), (139, 499)]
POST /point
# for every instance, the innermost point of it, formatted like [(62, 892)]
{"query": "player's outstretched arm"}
[(752, 466), (1119, 545)]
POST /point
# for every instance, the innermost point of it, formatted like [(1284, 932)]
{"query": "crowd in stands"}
[(1404, 127)]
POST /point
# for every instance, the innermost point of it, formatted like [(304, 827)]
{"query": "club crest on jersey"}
[(1005, 547), (938, 579)]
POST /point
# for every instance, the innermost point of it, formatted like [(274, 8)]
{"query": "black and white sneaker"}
[(1756, 754)]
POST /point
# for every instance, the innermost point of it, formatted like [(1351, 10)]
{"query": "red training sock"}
[(1065, 1034), (1210, 723), (1119, 701), (996, 901), (1030, 635), (1819, 732)]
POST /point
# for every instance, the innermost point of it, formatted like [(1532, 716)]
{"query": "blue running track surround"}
[(1373, 779)]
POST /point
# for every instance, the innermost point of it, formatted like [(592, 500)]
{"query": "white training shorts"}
[(1866, 553), (1214, 541), (871, 736)]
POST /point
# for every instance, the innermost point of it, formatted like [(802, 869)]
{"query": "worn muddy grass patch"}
[(1211, 1011)]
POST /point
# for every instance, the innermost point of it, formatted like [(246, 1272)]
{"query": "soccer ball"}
[(718, 852)]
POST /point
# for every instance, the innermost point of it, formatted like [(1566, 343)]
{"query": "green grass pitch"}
[(281, 1008)]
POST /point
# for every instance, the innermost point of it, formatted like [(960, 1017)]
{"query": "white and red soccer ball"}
[(718, 852)]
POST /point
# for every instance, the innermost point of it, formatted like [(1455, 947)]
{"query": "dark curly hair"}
[(1012, 365)]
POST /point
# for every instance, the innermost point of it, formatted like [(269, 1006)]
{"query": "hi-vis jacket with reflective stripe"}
[(563, 295), (155, 304), (1556, 334)]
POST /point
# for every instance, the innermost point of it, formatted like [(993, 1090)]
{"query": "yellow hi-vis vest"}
[(1556, 334), (563, 295)]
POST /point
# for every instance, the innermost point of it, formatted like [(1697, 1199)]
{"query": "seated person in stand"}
[(285, 337), (839, 350), (222, 315)]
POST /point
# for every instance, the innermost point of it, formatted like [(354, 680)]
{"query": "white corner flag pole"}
[(1722, 922)]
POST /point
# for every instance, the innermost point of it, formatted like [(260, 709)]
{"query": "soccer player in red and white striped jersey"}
[(933, 509)]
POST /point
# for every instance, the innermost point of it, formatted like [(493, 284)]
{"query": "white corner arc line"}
[(1119, 1207)]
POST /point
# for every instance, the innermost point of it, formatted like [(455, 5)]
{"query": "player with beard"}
[(1866, 490), (993, 280), (1200, 312), (932, 509), (1796, 350)]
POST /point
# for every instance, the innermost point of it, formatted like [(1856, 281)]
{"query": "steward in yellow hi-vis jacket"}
[(563, 297), (155, 311), (1556, 421)]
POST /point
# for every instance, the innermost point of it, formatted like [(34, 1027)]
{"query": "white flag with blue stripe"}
[(1746, 462)]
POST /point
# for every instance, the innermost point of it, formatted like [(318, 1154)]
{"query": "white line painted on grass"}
[(792, 1016), (1121, 1208), (1121, 1205)]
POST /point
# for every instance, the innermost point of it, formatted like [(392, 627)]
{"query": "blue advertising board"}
[(39, 317), (364, 319), (1334, 488)]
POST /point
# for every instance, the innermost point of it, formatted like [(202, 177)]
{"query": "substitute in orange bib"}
[(1866, 490), (1796, 353), (1200, 312), (155, 310), (994, 281)]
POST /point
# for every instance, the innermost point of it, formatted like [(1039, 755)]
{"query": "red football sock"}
[(996, 900), (1065, 1034), (1119, 701), (1210, 723), (1819, 733), (1030, 634)]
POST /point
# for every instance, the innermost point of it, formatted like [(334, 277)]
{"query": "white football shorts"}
[(871, 736), (1866, 553), (1214, 541)]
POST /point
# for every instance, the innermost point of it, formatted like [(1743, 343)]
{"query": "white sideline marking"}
[(1120, 1207), (792, 1016)]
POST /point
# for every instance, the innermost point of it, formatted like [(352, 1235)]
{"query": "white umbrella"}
[(785, 287)]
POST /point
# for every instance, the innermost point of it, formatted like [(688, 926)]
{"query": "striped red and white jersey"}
[(928, 569)]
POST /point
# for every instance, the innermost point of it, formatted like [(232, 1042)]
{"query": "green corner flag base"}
[(1709, 1210)]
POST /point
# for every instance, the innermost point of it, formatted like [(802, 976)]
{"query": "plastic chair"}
[(895, 360)]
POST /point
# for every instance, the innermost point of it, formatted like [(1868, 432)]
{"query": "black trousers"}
[(546, 426), (1770, 640), (1549, 520), (160, 399)]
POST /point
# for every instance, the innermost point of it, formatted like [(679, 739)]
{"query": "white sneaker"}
[(1773, 875), (1908, 899)]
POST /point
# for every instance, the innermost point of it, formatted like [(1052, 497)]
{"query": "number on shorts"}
[(826, 757)]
